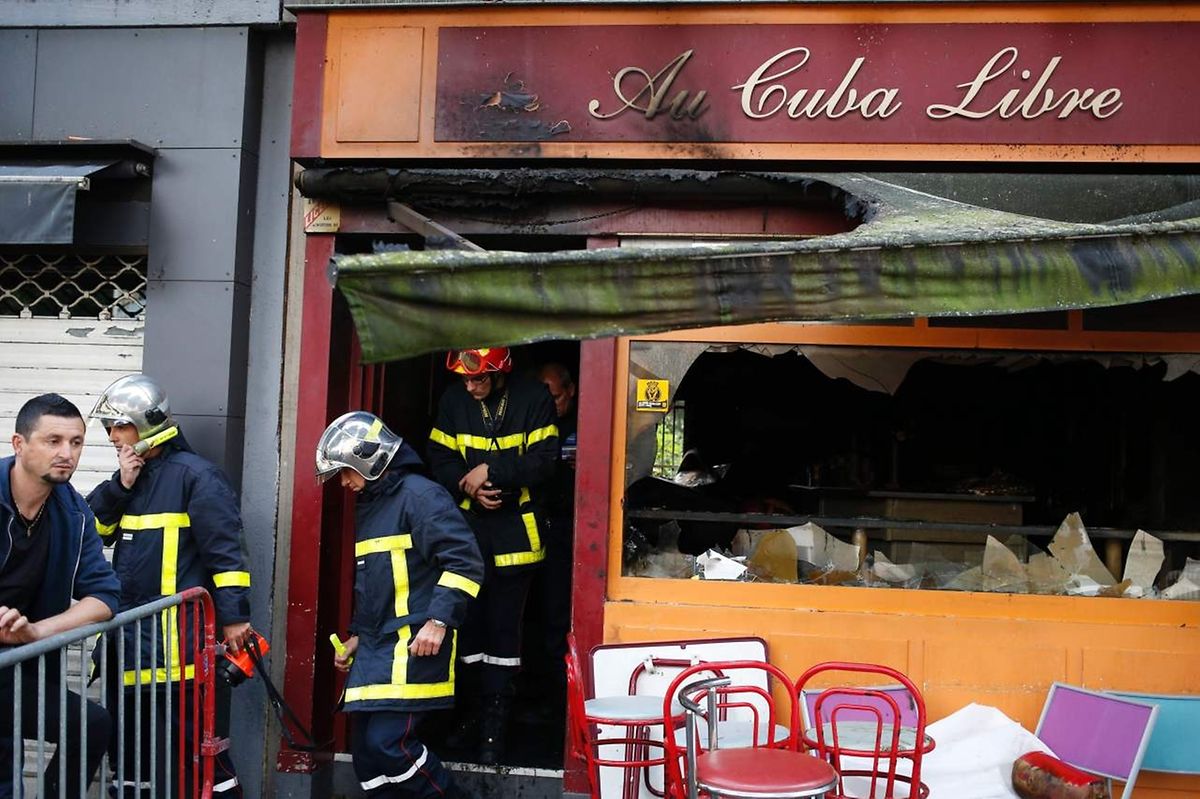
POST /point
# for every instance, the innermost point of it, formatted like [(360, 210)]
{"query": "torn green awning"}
[(915, 255)]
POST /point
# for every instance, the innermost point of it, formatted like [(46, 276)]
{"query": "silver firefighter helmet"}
[(357, 440), (137, 400)]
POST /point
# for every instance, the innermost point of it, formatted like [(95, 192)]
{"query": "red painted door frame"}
[(593, 479), (331, 380), (303, 673)]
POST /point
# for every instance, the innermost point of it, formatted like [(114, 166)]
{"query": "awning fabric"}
[(915, 255), (37, 201)]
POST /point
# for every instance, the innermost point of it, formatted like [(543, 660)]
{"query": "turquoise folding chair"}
[(1174, 745)]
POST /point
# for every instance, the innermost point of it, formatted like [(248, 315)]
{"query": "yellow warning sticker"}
[(653, 395)]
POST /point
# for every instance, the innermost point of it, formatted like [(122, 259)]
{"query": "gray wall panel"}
[(196, 209), (54, 13), (18, 54), (248, 213), (188, 325), (260, 475), (208, 435), (170, 87)]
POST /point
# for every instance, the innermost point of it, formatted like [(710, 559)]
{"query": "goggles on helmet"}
[(474, 362)]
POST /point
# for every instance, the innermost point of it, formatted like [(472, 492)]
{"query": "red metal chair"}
[(766, 768), (639, 715), (873, 736)]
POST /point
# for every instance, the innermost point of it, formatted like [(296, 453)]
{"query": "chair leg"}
[(635, 751)]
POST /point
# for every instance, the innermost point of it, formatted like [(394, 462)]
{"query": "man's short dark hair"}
[(44, 405), (560, 371)]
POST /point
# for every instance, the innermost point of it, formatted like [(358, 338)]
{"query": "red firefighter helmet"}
[(476, 362)]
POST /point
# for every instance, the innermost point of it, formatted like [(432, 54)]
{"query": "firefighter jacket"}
[(513, 431), (415, 559), (178, 527), (75, 567)]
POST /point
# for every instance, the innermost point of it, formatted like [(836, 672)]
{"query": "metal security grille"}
[(72, 286), (669, 451)]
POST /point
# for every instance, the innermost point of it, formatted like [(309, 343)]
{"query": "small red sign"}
[(1068, 83)]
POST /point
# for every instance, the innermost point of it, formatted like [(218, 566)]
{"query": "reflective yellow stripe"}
[(146, 676), (465, 504), (400, 581), (373, 430), (430, 690), (105, 530), (170, 559), (385, 543), (438, 437), (520, 558), (541, 434), (535, 540), (230, 579), (524, 498), (154, 521), (170, 572), (467, 441), (514, 441), (452, 580), (400, 657), (535, 554)]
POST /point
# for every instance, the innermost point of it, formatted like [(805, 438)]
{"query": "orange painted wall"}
[(996, 649), (1002, 651)]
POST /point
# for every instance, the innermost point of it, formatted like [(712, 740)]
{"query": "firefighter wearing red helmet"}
[(494, 446)]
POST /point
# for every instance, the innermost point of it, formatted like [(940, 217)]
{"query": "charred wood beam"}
[(437, 236), (521, 188)]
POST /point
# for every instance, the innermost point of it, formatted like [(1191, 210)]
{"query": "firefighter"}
[(494, 447), (174, 523), (417, 567)]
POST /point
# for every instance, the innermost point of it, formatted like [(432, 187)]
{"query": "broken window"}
[(1021, 472)]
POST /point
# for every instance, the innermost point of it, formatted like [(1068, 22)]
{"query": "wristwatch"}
[(438, 623)]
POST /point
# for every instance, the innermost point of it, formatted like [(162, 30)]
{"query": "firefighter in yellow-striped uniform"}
[(495, 447), (174, 522), (417, 567)]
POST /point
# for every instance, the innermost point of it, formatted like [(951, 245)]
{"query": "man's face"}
[(564, 396), (478, 386), (352, 480), (52, 450), (122, 435)]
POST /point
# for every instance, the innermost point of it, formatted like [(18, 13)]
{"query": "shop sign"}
[(1061, 83), (321, 216), (652, 395)]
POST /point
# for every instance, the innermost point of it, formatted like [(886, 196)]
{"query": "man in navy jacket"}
[(174, 523), (50, 555), (417, 568)]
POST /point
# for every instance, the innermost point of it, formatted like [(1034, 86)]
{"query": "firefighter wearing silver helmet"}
[(135, 400), (173, 522), (357, 440), (417, 569)]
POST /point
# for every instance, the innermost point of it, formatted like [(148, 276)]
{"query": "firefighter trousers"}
[(390, 762), (491, 635)]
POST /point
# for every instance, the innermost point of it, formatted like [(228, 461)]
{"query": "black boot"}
[(495, 721)]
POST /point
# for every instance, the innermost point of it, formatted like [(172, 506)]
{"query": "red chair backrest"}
[(577, 727), (889, 708), (757, 700)]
